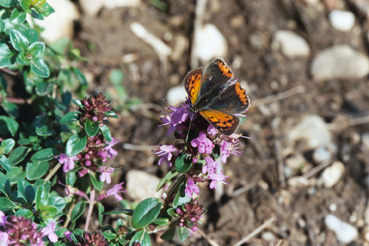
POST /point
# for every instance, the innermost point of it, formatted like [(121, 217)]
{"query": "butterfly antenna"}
[(189, 128)]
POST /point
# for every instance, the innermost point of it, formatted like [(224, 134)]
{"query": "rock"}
[(59, 24), (291, 44), (176, 95), (342, 20), (331, 175), (311, 131), (141, 185), (366, 233), (339, 62), (294, 164), (258, 40), (321, 154), (268, 236), (365, 141), (345, 233), (209, 43), (93, 7)]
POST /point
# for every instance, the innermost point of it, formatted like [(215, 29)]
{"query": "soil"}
[(255, 193)]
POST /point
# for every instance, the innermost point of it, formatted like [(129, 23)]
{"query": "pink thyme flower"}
[(191, 188), (67, 161), (105, 174), (211, 165), (67, 235), (118, 188), (212, 130), (2, 218), (165, 152), (108, 150), (4, 239), (217, 177), (49, 231), (229, 146), (177, 117), (203, 144)]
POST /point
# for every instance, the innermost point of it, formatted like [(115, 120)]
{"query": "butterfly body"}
[(215, 97)]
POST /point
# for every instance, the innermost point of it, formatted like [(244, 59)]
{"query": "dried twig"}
[(256, 231), (199, 17), (335, 126), (8, 71), (316, 169), (139, 147), (280, 96), (219, 191), (210, 241), (280, 164), (161, 49)]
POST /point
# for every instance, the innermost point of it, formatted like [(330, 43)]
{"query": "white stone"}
[(312, 131), (321, 154), (141, 185), (342, 20), (345, 233), (268, 236), (91, 8), (291, 44), (339, 62), (112, 4), (296, 162), (332, 174), (60, 23), (176, 95), (209, 43), (365, 141)]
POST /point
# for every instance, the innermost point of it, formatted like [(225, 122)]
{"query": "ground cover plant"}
[(56, 146)]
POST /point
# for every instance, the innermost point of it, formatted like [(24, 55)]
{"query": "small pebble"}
[(342, 20), (291, 44), (321, 154), (345, 233), (176, 95), (331, 175), (268, 236), (141, 185), (210, 43)]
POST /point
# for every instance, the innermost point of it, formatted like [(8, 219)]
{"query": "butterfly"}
[(216, 97)]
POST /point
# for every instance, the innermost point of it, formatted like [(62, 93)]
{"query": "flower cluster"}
[(94, 108), (96, 239), (189, 214), (18, 230), (203, 149)]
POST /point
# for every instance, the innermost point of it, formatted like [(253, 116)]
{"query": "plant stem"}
[(90, 209), (69, 215), (18, 100), (53, 171)]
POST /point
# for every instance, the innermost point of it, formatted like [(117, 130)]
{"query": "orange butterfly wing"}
[(225, 123), (193, 84)]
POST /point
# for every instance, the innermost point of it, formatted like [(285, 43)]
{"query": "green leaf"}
[(31, 34), (10, 108), (43, 155), (109, 235), (91, 127), (17, 17), (18, 155), (58, 202), (78, 211), (75, 144), (69, 118), (161, 221), (6, 205), (18, 40), (141, 237), (39, 67), (42, 196), (171, 174), (46, 10), (111, 114), (71, 178), (11, 124), (169, 234), (146, 212), (48, 212), (43, 88), (26, 190), (79, 76), (4, 162), (24, 213), (35, 170), (120, 211), (36, 49), (182, 163), (7, 3), (181, 198), (78, 103), (183, 233), (15, 173), (4, 184), (25, 4), (7, 57), (6, 146), (100, 209), (106, 132), (22, 59), (97, 184)]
